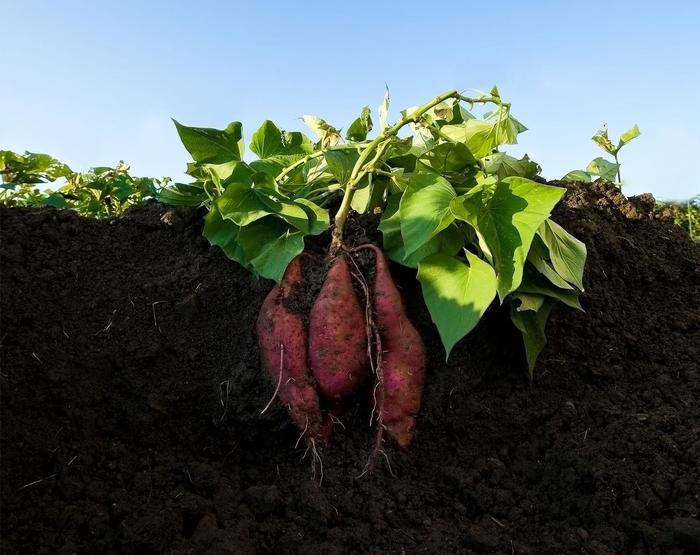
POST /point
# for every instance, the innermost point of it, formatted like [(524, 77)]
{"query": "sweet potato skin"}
[(338, 335), (403, 358), (283, 349)]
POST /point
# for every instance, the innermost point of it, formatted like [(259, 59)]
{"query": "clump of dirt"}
[(131, 398)]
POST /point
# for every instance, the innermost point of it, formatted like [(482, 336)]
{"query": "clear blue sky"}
[(95, 82)]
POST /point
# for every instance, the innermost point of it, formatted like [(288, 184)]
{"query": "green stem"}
[(289, 169), (619, 179)]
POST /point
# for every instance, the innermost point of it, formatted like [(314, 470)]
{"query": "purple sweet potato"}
[(282, 340), (338, 335), (403, 358)]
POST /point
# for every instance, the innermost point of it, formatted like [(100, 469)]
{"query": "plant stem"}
[(619, 179), (362, 167), (295, 165)]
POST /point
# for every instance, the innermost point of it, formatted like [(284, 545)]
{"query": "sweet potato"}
[(338, 335), (403, 358), (282, 340)]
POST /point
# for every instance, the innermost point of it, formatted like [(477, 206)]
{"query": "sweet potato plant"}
[(101, 192), (468, 217), (600, 167)]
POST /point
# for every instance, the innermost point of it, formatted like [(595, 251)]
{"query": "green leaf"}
[(318, 218), (456, 294), (425, 209), (363, 194), (326, 133), (56, 200), (340, 162), (502, 166), (183, 194), (31, 167), (291, 212), (295, 142), (448, 157), (242, 204), (529, 301), (224, 234), (360, 127), (603, 141), (447, 241), (443, 113), (539, 258), (269, 245), (507, 216), (213, 146), (577, 175), (478, 135), (406, 163), (532, 327), (268, 166), (265, 183), (605, 169), (535, 283), (567, 253), (316, 169), (267, 140), (377, 194), (220, 173), (423, 140), (265, 247), (383, 111), (296, 146), (628, 135), (509, 127)]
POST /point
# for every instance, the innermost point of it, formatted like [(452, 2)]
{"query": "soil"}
[(131, 399)]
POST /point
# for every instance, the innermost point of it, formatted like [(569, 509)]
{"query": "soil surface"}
[(132, 392)]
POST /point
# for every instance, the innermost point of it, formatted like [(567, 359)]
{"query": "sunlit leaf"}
[(448, 241), (539, 258), (448, 157), (213, 146), (267, 140), (360, 127), (604, 168), (568, 254), (383, 111), (628, 135), (577, 175), (502, 166), (326, 133), (425, 209), (340, 162), (603, 141), (507, 216)]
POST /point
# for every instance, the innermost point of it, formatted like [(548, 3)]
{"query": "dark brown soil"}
[(131, 399)]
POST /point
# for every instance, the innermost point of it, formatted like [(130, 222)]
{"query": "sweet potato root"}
[(282, 340), (403, 358), (337, 335)]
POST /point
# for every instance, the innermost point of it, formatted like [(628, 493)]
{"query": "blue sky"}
[(96, 82)]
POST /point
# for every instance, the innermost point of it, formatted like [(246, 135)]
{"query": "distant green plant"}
[(100, 192), (601, 167), (685, 214)]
